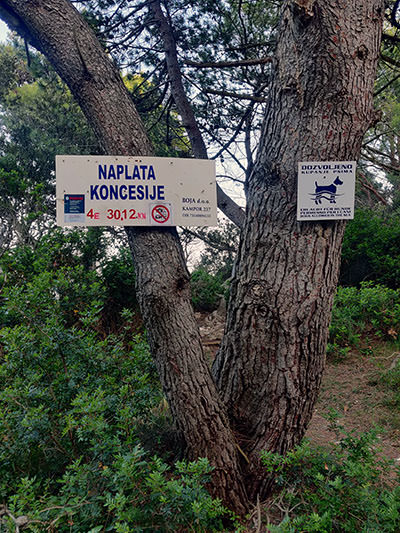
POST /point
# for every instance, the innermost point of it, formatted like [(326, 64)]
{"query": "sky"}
[(3, 31)]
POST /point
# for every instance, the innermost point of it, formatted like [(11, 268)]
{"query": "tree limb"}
[(16, 24), (393, 14), (388, 84), (229, 64), (225, 203), (364, 183), (380, 164), (390, 60), (239, 96), (236, 132), (379, 152)]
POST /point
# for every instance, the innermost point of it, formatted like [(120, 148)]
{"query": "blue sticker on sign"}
[(74, 204)]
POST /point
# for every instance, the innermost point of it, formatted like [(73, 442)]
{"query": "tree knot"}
[(362, 52), (306, 5)]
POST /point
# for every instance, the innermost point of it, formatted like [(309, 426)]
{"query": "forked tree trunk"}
[(162, 277), (269, 367), (270, 364)]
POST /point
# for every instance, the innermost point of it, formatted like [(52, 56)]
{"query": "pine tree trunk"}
[(162, 277), (270, 364)]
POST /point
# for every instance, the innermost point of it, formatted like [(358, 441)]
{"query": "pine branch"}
[(364, 183), (239, 96), (234, 212), (229, 64), (390, 60), (390, 38), (388, 84)]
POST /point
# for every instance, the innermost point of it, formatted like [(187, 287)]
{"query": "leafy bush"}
[(372, 309), (56, 249), (371, 249), (132, 492), (340, 489), (73, 405), (118, 278), (79, 253), (207, 290)]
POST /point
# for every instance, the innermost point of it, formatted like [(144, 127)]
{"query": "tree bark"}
[(270, 364), (269, 367), (162, 277)]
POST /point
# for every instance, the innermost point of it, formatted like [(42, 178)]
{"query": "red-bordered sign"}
[(160, 214)]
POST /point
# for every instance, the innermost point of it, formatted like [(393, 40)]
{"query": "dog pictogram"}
[(326, 192)]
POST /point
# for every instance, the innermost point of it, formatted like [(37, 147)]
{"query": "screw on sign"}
[(160, 214)]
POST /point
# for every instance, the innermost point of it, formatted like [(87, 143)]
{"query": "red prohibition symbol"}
[(160, 214)]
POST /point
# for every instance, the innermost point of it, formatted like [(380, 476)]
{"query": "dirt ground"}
[(351, 386), (354, 388)]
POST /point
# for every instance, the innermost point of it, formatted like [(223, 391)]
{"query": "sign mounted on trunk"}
[(135, 191), (325, 190)]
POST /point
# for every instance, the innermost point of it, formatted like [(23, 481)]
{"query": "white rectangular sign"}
[(135, 191), (325, 190)]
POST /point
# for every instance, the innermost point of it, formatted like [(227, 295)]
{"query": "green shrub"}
[(81, 254), (371, 249), (340, 489), (72, 408), (132, 492), (371, 309), (207, 290), (118, 277), (56, 249)]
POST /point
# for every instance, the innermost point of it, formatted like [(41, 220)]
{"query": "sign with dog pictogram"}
[(325, 190)]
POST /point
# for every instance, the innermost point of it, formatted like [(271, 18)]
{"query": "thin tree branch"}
[(236, 132), (377, 136), (380, 164), (378, 152), (225, 176), (388, 84), (390, 38), (122, 20), (239, 96), (390, 60), (205, 238), (225, 203), (393, 18), (225, 148), (242, 47), (229, 64), (364, 182)]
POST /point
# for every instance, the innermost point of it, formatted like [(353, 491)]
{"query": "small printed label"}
[(74, 208), (74, 203), (70, 218)]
